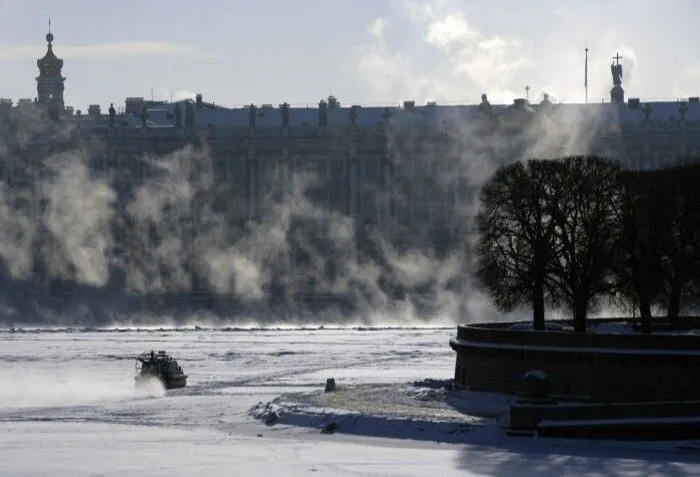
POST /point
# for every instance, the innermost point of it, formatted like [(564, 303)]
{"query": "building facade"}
[(408, 174), (447, 148)]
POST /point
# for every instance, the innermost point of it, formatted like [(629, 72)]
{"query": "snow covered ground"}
[(255, 405)]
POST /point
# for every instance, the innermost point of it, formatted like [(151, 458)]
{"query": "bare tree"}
[(572, 229), (682, 231), (516, 236), (638, 262), (586, 211)]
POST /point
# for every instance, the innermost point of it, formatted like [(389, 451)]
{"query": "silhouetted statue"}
[(546, 103), (252, 115), (323, 113), (177, 112), (284, 111), (485, 106), (617, 94), (616, 73), (112, 115), (353, 115)]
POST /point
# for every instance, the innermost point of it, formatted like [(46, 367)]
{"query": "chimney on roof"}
[(134, 105), (5, 105), (198, 100), (94, 111)]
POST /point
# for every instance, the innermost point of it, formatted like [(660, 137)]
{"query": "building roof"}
[(162, 114), (211, 115)]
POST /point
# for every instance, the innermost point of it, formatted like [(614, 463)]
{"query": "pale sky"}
[(238, 52)]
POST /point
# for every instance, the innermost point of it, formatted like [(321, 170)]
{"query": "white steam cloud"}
[(57, 217), (454, 58), (180, 229), (78, 217)]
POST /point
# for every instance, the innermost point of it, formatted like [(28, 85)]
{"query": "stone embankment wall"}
[(605, 367)]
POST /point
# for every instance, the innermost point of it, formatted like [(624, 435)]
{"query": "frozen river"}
[(68, 407)]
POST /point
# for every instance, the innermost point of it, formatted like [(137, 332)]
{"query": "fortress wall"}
[(600, 367)]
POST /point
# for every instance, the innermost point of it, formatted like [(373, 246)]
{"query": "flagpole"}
[(585, 78)]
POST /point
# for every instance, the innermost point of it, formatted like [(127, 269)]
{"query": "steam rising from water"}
[(78, 215), (178, 233), (71, 206)]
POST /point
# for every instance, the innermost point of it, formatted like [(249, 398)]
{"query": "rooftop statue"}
[(485, 106), (616, 69), (617, 74), (284, 112), (112, 114)]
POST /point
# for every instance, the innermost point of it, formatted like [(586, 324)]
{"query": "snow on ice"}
[(255, 405)]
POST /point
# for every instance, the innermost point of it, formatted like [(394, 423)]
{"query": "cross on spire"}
[(617, 58), (49, 24)]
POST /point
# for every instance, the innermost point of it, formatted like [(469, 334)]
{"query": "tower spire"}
[(50, 81)]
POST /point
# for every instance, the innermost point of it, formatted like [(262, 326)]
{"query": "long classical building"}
[(642, 133), (346, 144), (405, 176)]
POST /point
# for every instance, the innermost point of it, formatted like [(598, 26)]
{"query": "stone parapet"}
[(604, 367)]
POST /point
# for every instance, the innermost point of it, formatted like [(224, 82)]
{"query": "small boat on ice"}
[(161, 366)]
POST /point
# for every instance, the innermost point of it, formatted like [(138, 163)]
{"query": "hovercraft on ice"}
[(160, 366)]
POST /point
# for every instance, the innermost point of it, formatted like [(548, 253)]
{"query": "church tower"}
[(49, 83)]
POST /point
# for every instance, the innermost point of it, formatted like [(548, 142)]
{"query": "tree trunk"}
[(674, 302), (580, 309), (645, 313), (538, 304), (538, 286)]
